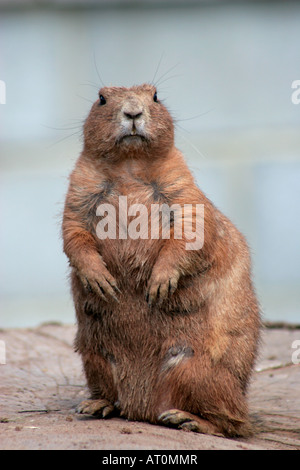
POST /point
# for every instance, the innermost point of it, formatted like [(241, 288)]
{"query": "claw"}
[(188, 422), (101, 291), (89, 287), (100, 408), (98, 280), (114, 285), (161, 288)]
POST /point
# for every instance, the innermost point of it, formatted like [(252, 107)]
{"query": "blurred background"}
[(224, 69)]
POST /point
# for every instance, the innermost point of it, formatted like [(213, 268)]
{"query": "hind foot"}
[(187, 421), (101, 408)]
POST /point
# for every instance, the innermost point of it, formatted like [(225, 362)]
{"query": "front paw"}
[(161, 285), (99, 281)]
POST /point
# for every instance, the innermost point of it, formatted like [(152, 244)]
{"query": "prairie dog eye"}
[(102, 100), (155, 97)]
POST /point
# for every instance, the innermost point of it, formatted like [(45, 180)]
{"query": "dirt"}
[(42, 382)]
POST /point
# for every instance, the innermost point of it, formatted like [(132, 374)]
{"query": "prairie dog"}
[(167, 331)]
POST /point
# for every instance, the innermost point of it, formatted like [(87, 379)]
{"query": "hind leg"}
[(97, 362), (100, 382), (201, 398), (187, 421)]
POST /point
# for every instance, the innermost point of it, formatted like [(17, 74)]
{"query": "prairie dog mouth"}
[(132, 137)]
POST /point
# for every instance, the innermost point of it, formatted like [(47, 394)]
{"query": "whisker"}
[(64, 138), (90, 84), (166, 73), (193, 146), (86, 99), (196, 116), (157, 68), (62, 128), (169, 78), (95, 63), (80, 121)]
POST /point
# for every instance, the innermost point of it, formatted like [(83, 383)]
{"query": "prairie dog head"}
[(128, 122)]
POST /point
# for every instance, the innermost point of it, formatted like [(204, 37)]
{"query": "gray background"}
[(225, 71)]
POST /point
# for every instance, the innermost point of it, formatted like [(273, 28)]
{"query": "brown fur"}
[(166, 335)]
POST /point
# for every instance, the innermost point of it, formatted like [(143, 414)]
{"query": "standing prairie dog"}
[(167, 334)]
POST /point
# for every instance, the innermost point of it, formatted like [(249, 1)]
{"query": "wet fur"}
[(192, 351)]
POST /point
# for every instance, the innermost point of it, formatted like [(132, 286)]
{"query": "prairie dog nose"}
[(133, 109), (133, 114)]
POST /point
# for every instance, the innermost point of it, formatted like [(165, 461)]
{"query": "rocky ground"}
[(42, 382)]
